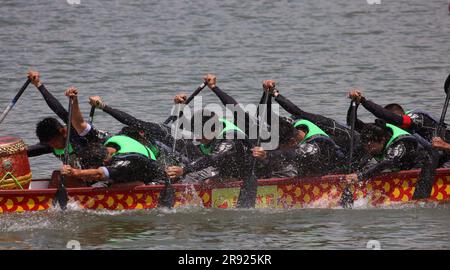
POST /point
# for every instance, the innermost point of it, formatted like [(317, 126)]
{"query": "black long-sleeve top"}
[(77, 141), (230, 157), (314, 157), (154, 131), (340, 134), (251, 122), (414, 122), (403, 154)]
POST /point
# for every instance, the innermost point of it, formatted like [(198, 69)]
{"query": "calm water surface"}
[(138, 54)]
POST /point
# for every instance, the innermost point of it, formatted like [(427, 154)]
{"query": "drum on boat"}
[(15, 172)]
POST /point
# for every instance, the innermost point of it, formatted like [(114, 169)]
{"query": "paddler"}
[(419, 123), (51, 133), (282, 169), (312, 150), (339, 133), (159, 133), (120, 158), (222, 148), (414, 121), (393, 149)]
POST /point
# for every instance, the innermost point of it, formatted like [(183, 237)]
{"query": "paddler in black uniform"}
[(224, 147), (52, 134), (339, 133), (279, 170), (305, 144), (160, 134), (414, 121), (120, 158), (393, 148)]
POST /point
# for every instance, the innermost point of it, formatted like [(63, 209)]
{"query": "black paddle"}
[(15, 99), (188, 100), (347, 194), (425, 184), (167, 195), (61, 196), (91, 115), (249, 187)]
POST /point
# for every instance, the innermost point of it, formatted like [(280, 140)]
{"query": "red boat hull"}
[(315, 192)]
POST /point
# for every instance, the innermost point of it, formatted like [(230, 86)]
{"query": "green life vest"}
[(60, 152), (207, 149), (128, 145), (313, 130), (228, 126), (396, 132)]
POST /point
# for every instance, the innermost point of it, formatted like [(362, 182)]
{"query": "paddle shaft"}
[(188, 100), (69, 132), (352, 136), (347, 194), (61, 193), (91, 114), (15, 99), (248, 191)]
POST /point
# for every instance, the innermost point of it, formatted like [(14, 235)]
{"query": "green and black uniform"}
[(402, 152), (227, 153), (133, 160), (77, 142), (317, 154)]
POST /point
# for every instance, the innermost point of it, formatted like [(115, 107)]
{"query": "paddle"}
[(249, 187), (61, 196), (425, 184), (15, 99), (188, 100), (167, 195), (91, 114), (347, 194)]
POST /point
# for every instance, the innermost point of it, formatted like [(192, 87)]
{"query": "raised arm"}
[(78, 123), (226, 99), (51, 101), (383, 113), (359, 125)]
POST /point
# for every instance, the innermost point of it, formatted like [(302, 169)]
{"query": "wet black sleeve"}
[(132, 168), (393, 159), (38, 150), (219, 156), (302, 152), (382, 113), (295, 110), (226, 100), (54, 104), (156, 131), (359, 125)]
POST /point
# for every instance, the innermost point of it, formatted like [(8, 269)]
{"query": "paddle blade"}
[(427, 177), (167, 196), (447, 84), (61, 197), (248, 192), (347, 199)]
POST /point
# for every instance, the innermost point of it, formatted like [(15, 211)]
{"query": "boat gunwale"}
[(233, 184)]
